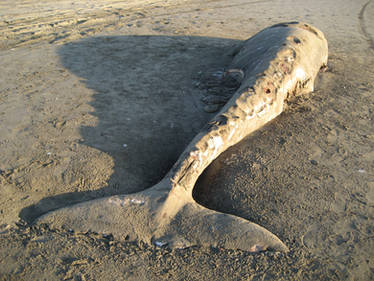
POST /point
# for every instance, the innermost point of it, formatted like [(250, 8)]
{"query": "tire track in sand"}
[(363, 26), (24, 24)]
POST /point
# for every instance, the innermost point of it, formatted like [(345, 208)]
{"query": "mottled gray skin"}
[(278, 63)]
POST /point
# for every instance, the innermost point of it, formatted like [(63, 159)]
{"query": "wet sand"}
[(100, 99)]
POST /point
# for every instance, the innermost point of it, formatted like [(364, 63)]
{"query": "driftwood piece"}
[(277, 63)]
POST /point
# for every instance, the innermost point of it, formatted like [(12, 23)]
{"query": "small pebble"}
[(137, 201), (160, 243)]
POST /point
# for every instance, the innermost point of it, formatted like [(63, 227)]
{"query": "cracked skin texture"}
[(278, 63)]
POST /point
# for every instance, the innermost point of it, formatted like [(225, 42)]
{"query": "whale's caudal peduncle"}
[(276, 64)]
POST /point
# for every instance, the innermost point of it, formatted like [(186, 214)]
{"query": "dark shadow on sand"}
[(145, 102)]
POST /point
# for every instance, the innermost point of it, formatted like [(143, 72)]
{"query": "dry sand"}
[(100, 99)]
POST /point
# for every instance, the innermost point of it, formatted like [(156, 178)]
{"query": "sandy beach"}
[(100, 98)]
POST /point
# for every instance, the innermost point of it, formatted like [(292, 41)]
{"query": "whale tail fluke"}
[(136, 217), (197, 225)]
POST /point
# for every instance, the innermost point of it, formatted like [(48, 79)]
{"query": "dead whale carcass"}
[(276, 64)]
